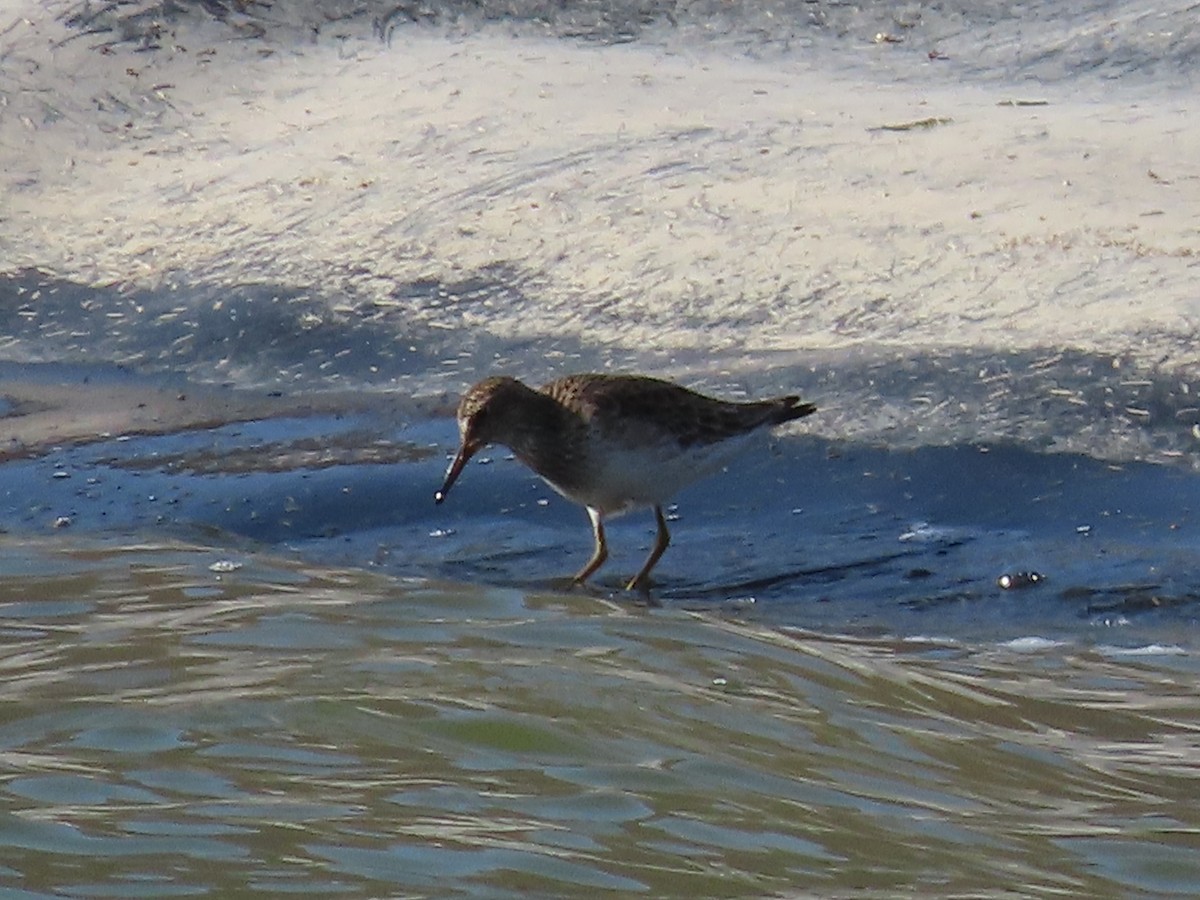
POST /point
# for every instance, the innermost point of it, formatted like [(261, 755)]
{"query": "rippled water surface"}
[(179, 721)]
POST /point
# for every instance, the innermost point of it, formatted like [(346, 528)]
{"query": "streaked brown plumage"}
[(612, 443)]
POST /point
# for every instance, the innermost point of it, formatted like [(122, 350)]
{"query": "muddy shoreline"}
[(48, 407)]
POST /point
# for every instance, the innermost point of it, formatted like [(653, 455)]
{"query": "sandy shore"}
[(1033, 249), (649, 194)]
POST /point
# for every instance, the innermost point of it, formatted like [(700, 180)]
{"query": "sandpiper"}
[(612, 443)]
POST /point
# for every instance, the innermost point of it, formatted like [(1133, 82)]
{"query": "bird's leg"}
[(639, 581), (600, 554)]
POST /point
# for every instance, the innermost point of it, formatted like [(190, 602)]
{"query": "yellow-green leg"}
[(600, 554), (639, 581)]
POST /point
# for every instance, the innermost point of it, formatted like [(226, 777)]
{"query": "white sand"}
[(659, 200)]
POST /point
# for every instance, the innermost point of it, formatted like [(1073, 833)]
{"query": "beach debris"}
[(224, 565), (1023, 103), (930, 122)]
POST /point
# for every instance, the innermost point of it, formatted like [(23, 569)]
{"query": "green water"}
[(171, 729)]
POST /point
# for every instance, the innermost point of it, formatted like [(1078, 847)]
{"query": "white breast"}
[(623, 479)]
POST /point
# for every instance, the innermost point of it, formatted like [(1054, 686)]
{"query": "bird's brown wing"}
[(659, 410)]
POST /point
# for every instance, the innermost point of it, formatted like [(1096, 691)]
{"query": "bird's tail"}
[(789, 408)]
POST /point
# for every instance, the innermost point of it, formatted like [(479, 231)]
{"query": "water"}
[(278, 728), (941, 638)]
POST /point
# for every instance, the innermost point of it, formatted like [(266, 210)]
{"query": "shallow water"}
[(176, 724)]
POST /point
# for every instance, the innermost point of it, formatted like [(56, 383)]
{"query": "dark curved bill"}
[(465, 452)]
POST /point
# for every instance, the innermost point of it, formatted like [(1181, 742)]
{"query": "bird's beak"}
[(465, 452)]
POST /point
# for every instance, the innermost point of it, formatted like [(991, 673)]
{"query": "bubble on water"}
[(1015, 580)]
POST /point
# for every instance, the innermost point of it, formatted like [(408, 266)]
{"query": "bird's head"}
[(484, 417)]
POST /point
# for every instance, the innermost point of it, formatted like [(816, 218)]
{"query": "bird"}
[(612, 443)]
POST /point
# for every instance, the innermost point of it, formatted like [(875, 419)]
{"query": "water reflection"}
[(168, 729)]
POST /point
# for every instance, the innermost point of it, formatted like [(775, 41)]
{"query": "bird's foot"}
[(639, 583)]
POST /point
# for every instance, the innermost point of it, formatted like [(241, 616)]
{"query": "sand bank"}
[(682, 199)]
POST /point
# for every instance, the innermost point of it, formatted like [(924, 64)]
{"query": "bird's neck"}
[(541, 435)]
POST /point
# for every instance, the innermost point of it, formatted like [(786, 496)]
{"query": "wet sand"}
[(48, 407), (802, 531)]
